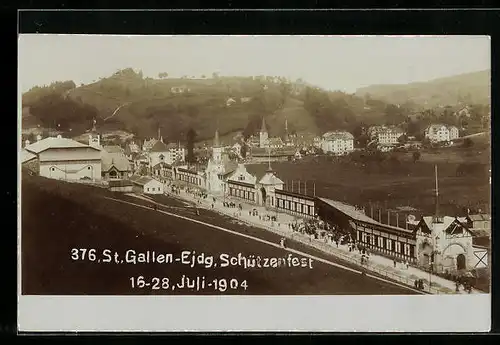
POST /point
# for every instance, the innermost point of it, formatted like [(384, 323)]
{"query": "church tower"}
[(263, 135), (217, 148), (94, 137)]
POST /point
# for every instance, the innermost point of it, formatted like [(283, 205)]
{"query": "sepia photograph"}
[(255, 167)]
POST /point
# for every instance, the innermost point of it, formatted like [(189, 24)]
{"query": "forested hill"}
[(128, 101), (470, 88)]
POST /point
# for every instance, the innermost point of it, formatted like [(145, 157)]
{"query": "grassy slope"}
[(57, 217), (443, 91), (208, 96), (408, 184)]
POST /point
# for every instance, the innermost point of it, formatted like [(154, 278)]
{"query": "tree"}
[(191, 136), (163, 75), (244, 150), (215, 75), (416, 156)]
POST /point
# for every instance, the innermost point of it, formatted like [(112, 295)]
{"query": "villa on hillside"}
[(337, 142), (441, 133)]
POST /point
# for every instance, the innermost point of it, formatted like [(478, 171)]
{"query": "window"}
[(381, 242), (372, 240), (397, 247), (88, 168), (148, 189), (388, 244), (406, 249), (52, 169)]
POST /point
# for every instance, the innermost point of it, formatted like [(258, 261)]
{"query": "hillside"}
[(464, 88), (126, 103)]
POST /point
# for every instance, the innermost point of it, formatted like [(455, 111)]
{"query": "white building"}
[(168, 154), (267, 186), (215, 168), (441, 132), (147, 185), (337, 142), (389, 136), (445, 243), (67, 159)]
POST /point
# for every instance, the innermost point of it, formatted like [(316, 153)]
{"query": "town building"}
[(241, 184), (443, 244), (67, 159), (218, 167), (337, 142), (147, 185), (179, 89), (114, 163), (441, 133), (389, 136)]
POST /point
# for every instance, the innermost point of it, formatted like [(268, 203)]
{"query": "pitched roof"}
[(54, 143), (162, 165), (449, 223), (115, 159), (479, 217), (159, 146), (336, 135), (26, 156), (142, 180), (263, 127), (270, 179), (112, 148)]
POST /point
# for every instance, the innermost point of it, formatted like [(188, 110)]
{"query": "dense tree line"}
[(58, 112)]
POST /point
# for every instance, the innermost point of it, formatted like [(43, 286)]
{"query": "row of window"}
[(386, 243), (242, 194), (153, 189), (190, 179), (295, 206)]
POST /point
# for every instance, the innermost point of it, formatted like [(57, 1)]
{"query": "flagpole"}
[(314, 190)]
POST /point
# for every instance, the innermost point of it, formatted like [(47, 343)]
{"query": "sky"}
[(332, 62)]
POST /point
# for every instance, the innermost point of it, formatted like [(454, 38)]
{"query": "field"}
[(58, 216), (389, 185)]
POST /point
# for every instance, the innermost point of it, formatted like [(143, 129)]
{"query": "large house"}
[(384, 135), (337, 142), (63, 158), (114, 163), (441, 132)]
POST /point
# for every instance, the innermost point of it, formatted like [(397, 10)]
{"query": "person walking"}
[(395, 263)]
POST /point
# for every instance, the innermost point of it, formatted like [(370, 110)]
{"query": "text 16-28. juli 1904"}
[(188, 283)]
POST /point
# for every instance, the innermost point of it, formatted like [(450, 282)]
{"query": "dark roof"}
[(479, 217), (159, 146), (296, 195), (239, 183), (162, 165), (120, 183), (141, 180)]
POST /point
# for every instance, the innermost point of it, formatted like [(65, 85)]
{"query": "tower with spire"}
[(217, 148), (94, 136), (215, 167), (263, 135)]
